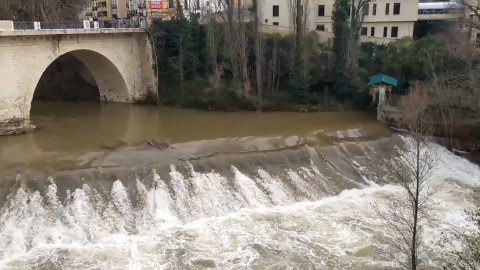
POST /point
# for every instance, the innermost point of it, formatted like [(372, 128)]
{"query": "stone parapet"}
[(15, 126), (52, 32), (6, 25)]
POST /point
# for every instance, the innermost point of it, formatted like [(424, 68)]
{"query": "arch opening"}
[(81, 75), (67, 79)]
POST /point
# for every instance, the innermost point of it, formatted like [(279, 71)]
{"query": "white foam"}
[(210, 220)]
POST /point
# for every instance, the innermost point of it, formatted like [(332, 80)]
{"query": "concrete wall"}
[(6, 25), (121, 64), (122, 9)]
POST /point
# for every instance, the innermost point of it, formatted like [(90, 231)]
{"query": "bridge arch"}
[(107, 76), (119, 61)]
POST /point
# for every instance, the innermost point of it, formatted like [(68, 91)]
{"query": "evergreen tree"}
[(340, 46)]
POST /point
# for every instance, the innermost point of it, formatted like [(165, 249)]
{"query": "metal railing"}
[(117, 24), (23, 25), (61, 25)]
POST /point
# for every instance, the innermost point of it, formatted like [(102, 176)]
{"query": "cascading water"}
[(308, 215)]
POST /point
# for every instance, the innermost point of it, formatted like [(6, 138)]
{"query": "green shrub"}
[(150, 98)]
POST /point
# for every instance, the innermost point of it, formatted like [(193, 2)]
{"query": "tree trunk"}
[(258, 50), (242, 53), (445, 126), (299, 36), (416, 206), (180, 62)]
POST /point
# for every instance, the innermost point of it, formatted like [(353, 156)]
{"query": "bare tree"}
[(443, 98), (235, 41), (292, 13), (41, 10), (359, 10), (271, 67), (6, 11), (212, 52), (258, 48), (411, 168), (299, 16), (469, 11), (462, 249), (465, 65), (299, 35)]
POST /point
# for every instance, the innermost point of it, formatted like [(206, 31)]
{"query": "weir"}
[(220, 210)]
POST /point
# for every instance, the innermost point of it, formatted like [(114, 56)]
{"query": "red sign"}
[(156, 4)]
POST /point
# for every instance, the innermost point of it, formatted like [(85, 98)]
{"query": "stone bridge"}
[(119, 60)]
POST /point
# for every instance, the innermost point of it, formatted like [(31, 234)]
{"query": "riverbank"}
[(200, 95)]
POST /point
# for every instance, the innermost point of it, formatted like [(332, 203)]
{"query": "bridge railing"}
[(118, 24), (24, 25), (61, 25)]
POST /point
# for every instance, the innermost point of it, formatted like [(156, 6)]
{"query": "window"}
[(321, 10), (170, 4), (320, 27), (396, 9), (365, 9), (387, 9), (364, 31), (385, 31), (276, 11), (276, 23), (374, 11), (372, 31), (394, 31), (301, 11)]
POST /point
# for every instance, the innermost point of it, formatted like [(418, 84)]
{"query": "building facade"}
[(161, 9), (119, 9), (106, 10), (385, 20)]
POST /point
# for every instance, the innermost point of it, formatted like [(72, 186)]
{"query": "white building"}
[(385, 19)]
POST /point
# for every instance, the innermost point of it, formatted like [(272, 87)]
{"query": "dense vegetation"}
[(190, 76)]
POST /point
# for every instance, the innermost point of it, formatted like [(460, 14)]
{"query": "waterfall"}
[(313, 213)]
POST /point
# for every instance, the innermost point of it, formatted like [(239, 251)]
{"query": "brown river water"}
[(67, 132), (122, 186)]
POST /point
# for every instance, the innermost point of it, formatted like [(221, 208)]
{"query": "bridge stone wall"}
[(119, 60)]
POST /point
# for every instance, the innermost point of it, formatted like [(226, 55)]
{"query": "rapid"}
[(241, 193)]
